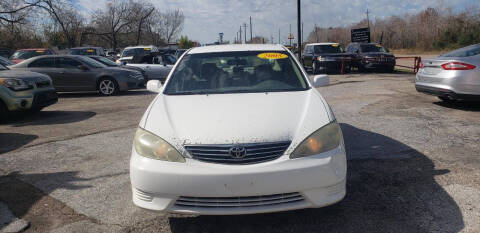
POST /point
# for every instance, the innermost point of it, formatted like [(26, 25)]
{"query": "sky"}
[(205, 19)]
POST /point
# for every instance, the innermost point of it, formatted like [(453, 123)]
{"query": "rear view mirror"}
[(154, 86), (321, 80)]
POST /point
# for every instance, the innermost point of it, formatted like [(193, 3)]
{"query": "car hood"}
[(377, 54), (25, 75), (237, 118)]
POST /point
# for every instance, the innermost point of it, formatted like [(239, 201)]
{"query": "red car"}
[(24, 54)]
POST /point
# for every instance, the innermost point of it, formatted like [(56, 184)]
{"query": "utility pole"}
[(316, 35), (299, 29), (240, 35), (290, 35), (245, 30), (368, 19), (251, 36), (279, 36)]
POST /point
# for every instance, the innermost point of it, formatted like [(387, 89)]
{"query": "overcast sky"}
[(204, 19)]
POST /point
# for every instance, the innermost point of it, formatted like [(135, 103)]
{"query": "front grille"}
[(236, 202), (254, 153)]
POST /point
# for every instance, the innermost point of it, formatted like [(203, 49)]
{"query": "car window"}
[(236, 72), (135, 51), (43, 62), (91, 62), (464, 52), (369, 48), (2, 67), (26, 54), (105, 61), (6, 62), (67, 63), (333, 48), (82, 51)]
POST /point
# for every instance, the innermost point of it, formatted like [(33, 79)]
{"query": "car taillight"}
[(457, 66)]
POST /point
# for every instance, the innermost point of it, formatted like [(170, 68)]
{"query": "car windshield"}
[(105, 61), (83, 51), (236, 72), (92, 62), (464, 52), (136, 51), (334, 48), (27, 54), (2, 67), (372, 48)]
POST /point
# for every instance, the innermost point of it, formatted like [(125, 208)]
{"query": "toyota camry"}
[(237, 129)]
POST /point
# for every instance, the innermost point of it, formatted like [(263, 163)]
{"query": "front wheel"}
[(107, 87)]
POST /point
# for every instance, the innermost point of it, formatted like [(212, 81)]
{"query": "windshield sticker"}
[(272, 56), (335, 45), (90, 50), (40, 51), (378, 45)]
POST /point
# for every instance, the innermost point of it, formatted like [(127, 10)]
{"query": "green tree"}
[(185, 43)]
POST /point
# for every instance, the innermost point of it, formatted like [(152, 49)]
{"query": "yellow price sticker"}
[(90, 50), (378, 45), (40, 51), (146, 49), (272, 56), (335, 45)]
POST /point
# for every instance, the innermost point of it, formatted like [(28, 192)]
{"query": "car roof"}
[(86, 48), (323, 43), (140, 47), (32, 49), (237, 48)]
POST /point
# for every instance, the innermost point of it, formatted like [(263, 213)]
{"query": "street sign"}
[(361, 35), (291, 37)]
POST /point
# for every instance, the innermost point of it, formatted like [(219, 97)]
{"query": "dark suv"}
[(325, 58), (371, 56), (97, 51)]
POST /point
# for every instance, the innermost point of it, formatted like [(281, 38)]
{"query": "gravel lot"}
[(414, 166)]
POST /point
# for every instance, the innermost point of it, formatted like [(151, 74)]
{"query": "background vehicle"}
[(110, 63), (87, 51), (22, 91), (79, 73), (325, 58), (5, 62), (179, 53), (371, 56), (23, 54), (275, 145), (451, 76), (157, 66), (129, 52), (6, 53)]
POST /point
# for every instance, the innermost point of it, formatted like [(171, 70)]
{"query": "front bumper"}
[(332, 66), (29, 99), (320, 180)]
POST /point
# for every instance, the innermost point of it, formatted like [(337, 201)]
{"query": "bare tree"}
[(15, 11), (141, 12), (172, 24)]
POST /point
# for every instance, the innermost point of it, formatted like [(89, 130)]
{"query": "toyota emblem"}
[(237, 152)]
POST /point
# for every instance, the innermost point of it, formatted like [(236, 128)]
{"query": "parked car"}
[(6, 53), (110, 63), (22, 91), (23, 54), (325, 58), (129, 52), (238, 129), (73, 73), (157, 66), (5, 62), (451, 76), (371, 57), (98, 51)]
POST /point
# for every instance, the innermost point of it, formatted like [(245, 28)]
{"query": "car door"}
[(75, 76), (47, 66), (160, 69)]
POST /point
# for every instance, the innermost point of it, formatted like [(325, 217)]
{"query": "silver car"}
[(451, 76)]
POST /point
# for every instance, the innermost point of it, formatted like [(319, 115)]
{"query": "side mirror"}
[(82, 67), (321, 80), (154, 86)]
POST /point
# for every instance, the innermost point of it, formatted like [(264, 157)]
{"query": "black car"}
[(6, 53), (5, 62), (98, 51), (371, 57), (110, 63), (325, 58), (72, 73)]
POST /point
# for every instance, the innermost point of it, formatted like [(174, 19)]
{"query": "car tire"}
[(107, 87), (391, 69)]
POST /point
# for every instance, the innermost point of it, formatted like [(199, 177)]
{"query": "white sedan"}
[(238, 129)]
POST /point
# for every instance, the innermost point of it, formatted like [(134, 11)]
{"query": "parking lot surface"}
[(414, 166)]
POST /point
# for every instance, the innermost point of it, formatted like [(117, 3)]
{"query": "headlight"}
[(325, 139), (15, 84), (151, 146)]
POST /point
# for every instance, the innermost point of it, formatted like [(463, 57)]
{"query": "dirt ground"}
[(413, 166)]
